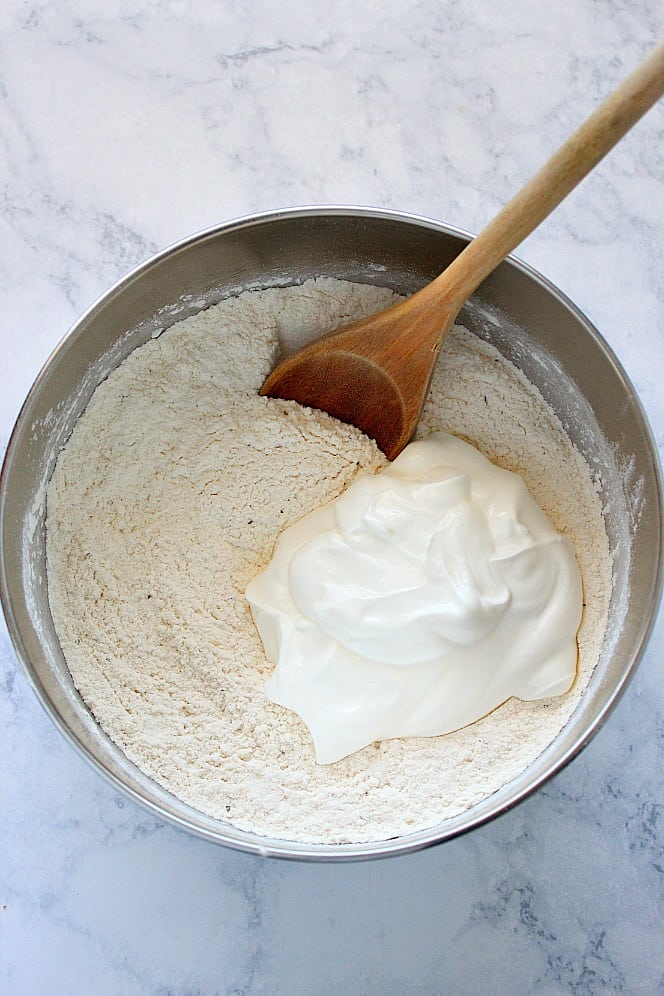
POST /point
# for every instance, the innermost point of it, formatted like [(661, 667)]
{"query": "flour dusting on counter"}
[(167, 501)]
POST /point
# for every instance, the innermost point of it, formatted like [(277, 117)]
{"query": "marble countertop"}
[(127, 126)]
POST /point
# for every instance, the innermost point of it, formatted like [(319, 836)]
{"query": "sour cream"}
[(417, 602)]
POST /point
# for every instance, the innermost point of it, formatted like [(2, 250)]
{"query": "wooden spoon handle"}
[(548, 187)]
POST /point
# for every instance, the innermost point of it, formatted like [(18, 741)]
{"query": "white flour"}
[(167, 501)]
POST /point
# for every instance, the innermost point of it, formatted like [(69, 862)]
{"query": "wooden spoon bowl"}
[(373, 373)]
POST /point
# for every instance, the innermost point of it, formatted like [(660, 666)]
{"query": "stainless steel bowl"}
[(527, 318)]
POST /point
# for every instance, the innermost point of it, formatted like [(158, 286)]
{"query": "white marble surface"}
[(126, 126)]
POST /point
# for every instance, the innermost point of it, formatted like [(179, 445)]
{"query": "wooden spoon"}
[(375, 373)]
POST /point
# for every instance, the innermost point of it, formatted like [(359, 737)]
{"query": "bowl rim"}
[(247, 841)]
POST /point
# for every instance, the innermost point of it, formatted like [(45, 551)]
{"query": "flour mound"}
[(167, 501)]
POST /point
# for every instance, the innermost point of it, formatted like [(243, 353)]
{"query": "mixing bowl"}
[(521, 313)]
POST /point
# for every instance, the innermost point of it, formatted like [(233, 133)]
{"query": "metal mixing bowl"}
[(527, 318)]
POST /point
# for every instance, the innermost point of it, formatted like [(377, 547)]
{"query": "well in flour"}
[(167, 500)]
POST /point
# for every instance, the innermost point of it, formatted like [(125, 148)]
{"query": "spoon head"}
[(351, 388)]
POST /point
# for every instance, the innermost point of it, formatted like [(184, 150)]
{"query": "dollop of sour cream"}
[(418, 601)]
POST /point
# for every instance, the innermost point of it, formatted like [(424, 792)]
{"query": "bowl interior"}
[(527, 319)]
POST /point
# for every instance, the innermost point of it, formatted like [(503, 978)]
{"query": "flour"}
[(167, 500)]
